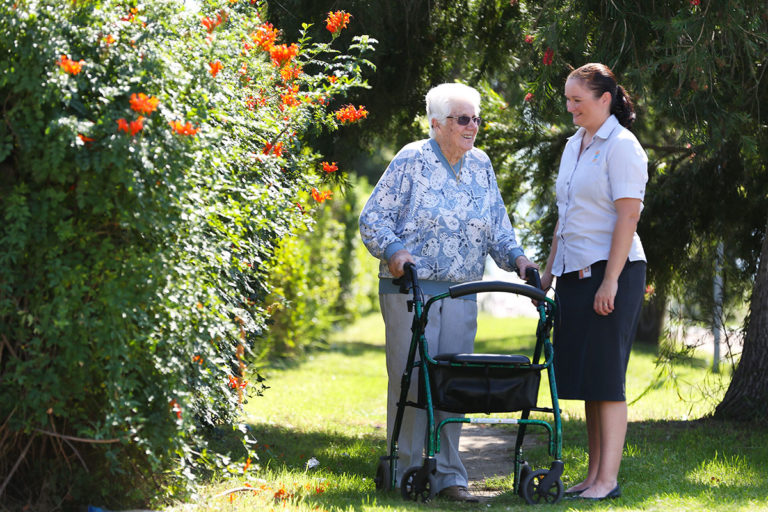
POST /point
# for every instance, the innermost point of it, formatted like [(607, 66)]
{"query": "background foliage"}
[(138, 272), (135, 250), (697, 71), (320, 279)]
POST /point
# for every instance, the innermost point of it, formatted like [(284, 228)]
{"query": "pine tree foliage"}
[(696, 69)]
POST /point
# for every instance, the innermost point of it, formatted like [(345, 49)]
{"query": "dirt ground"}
[(487, 451)]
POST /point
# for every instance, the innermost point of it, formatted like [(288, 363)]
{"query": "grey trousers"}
[(451, 328)]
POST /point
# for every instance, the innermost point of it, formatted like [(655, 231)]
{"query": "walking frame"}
[(477, 383)]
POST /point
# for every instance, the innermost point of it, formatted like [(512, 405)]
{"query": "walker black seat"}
[(500, 359)]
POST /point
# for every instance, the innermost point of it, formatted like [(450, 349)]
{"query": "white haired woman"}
[(438, 206)]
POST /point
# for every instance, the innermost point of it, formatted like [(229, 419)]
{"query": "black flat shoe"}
[(615, 493), (575, 493)]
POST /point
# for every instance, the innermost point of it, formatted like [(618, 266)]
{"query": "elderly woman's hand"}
[(522, 264), (398, 260)]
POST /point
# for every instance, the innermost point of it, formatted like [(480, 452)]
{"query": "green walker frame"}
[(512, 383)]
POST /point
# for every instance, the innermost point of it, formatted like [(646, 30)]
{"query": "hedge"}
[(152, 158), (321, 279)]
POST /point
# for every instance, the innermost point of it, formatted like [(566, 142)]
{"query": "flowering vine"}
[(70, 66), (350, 114), (189, 137), (143, 104), (131, 128), (548, 55), (336, 21), (183, 129)]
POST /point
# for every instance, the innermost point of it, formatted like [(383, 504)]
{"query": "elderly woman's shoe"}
[(458, 493)]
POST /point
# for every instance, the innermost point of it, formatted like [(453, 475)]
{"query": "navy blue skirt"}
[(592, 351)]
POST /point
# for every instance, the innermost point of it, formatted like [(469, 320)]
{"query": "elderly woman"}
[(438, 206), (599, 260)]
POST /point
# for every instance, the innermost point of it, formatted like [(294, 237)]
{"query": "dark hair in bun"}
[(600, 79)]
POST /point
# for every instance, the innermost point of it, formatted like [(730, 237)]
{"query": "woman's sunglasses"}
[(464, 120)]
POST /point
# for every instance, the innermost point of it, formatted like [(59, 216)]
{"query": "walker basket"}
[(481, 383)]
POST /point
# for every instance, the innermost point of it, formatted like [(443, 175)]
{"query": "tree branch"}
[(78, 439), (667, 149), (16, 466), (8, 344), (77, 453)]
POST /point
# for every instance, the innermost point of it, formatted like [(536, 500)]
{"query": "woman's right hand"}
[(398, 260)]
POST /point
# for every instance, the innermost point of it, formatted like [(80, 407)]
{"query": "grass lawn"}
[(330, 410)]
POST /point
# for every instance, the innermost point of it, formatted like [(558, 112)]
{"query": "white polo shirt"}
[(613, 166)]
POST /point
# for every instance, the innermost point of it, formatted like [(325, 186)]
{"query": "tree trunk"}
[(747, 396), (652, 319)]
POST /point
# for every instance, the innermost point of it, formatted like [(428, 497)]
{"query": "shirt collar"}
[(439, 152), (608, 126), (603, 132)]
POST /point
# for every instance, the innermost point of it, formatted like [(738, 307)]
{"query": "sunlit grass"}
[(330, 408)]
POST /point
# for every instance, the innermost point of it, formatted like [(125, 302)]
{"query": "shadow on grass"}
[(664, 461), (679, 357), (280, 447), (707, 459), (667, 464)]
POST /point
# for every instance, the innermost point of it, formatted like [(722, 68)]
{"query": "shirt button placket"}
[(565, 216)]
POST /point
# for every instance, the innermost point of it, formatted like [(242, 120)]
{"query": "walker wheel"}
[(525, 470), (415, 487), (533, 493), (383, 479)]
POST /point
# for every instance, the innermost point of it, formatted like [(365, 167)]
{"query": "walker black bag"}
[(485, 389)]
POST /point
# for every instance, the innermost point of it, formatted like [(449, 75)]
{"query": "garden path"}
[(487, 452)]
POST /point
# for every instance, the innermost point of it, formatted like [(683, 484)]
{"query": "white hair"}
[(441, 98)]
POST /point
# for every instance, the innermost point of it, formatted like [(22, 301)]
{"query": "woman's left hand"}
[(603, 304)]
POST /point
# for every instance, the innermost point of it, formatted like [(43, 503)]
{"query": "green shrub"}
[(304, 278), (359, 272), (136, 231), (320, 279)]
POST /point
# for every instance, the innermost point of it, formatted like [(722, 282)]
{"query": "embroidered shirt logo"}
[(594, 158)]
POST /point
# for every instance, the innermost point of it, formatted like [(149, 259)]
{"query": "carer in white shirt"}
[(599, 262)]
